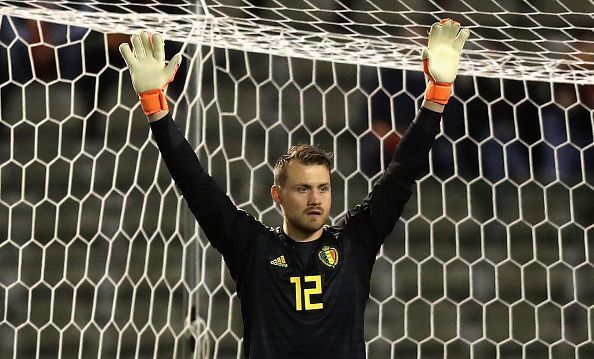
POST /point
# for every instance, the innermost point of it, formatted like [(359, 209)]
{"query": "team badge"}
[(329, 256)]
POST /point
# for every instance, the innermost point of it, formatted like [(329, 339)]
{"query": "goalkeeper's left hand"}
[(441, 58), (150, 75)]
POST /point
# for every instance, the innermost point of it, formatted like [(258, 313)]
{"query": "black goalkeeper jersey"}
[(292, 308)]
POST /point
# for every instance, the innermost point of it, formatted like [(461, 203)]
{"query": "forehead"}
[(297, 172)]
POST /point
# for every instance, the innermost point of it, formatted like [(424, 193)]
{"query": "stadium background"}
[(499, 236)]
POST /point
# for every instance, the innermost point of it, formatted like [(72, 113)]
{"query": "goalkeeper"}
[(303, 287)]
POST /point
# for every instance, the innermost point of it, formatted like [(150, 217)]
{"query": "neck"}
[(300, 236)]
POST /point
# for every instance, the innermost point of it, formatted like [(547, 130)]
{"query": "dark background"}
[(99, 256)]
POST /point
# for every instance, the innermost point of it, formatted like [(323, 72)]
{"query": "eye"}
[(301, 189), (324, 189)]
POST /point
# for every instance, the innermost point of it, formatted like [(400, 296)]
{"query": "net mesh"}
[(99, 256), (549, 40)]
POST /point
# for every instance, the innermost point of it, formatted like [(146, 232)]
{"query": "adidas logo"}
[(280, 261)]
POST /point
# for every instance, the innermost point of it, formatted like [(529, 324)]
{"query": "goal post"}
[(99, 255)]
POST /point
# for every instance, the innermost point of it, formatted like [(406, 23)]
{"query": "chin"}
[(317, 226), (311, 228)]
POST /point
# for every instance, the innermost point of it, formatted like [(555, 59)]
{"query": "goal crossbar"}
[(491, 51)]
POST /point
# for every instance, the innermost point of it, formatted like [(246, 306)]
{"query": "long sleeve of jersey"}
[(376, 217), (218, 217)]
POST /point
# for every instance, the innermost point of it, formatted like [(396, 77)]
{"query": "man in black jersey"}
[(303, 287)]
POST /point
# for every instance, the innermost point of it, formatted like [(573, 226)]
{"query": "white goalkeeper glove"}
[(441, 58), (147, 67)]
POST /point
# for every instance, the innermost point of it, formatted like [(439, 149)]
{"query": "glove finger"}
[(172, 67), (455, 27), (425, 54), (127, 54), (434, 35), (158, 47), (446, 28), (145, 37), (137, 47), (425, 57), (460, 40)]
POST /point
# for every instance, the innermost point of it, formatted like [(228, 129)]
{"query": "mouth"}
[(315, 212)]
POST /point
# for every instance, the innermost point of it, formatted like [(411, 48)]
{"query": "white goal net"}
[(99, 256)]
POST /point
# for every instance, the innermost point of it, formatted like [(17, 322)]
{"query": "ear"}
[(275, 193)]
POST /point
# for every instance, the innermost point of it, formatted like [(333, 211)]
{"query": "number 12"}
[(317, 289)]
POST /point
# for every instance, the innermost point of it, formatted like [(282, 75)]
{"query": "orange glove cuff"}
[(438, 92), (153, 101)]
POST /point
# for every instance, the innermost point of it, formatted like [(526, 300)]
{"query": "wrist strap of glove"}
[(153, 101), (439, 92)]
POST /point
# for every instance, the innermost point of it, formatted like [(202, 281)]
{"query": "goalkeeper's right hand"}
[(147, 67)]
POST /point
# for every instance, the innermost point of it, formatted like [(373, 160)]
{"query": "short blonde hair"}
[(306, 154)]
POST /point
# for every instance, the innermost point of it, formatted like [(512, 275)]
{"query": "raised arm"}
[(228, 229), (376, 217)]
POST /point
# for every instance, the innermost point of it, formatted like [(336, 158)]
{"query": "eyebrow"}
[(309, 186)]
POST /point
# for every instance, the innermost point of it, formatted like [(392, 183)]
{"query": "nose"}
[(314, 199)]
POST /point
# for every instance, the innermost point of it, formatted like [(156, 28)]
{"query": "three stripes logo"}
[(279, 261)]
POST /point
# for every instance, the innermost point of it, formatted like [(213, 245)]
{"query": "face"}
[(305, 197)]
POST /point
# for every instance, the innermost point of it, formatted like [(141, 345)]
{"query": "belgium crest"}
[(329, 256)]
